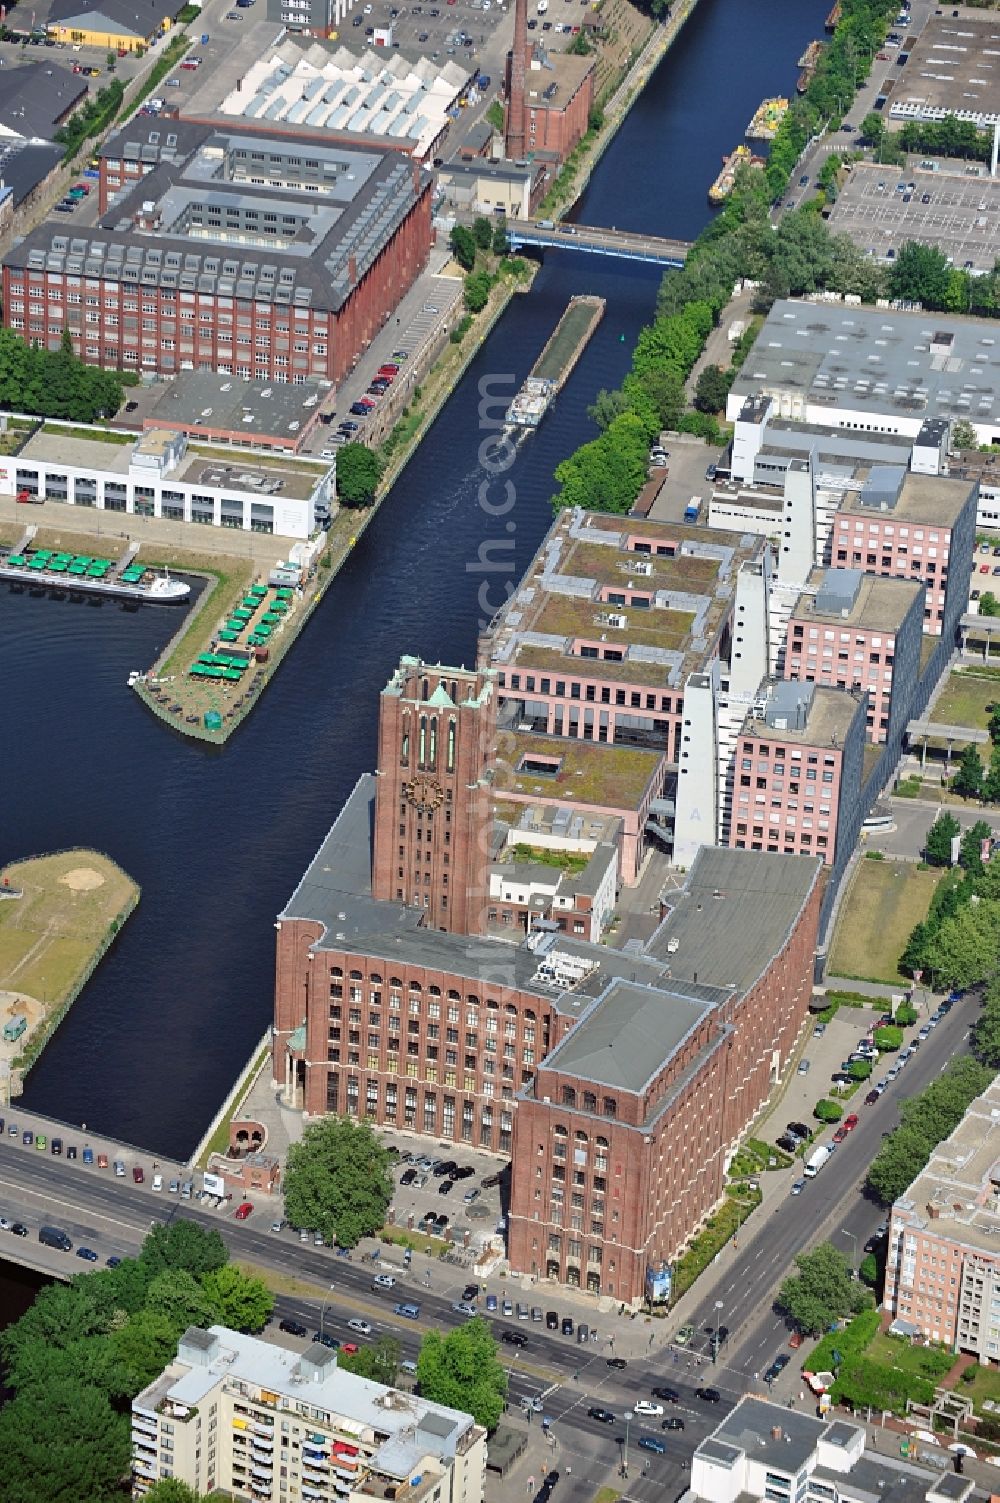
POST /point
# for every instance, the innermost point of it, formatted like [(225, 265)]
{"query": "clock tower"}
[(433, 802)]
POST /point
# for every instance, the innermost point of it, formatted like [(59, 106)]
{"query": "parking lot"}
[(881, 208), (473, 1204)]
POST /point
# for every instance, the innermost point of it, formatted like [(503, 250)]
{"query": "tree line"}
[(54, 383), (958, 943), (76, 1359)]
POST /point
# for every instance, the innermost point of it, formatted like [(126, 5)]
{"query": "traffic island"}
[(59, 915)]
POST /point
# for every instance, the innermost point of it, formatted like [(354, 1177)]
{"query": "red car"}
[(137, 1174), (840, 1134), (242, 1212), (350, 1348), (851, 1122)]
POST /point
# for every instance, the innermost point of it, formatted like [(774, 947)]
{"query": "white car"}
[(645, 1406), (157, 1181), (383, 1281), (328, 454), (361, 1326)]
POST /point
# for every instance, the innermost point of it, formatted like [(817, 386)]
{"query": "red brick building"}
[(660, 1058), (203, 263), (549, 97)]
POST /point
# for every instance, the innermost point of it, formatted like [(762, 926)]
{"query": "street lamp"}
[(854, 1244), (628, 1421), (718, 1323), (322, 1313)]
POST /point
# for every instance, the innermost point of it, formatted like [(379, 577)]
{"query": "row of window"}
[(573, 689)]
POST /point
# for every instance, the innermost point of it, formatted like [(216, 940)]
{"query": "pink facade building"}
[(912, 527), (858, 631), (798, 773)]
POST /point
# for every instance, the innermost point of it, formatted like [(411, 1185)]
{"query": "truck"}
[(815, 1161), (693, 509)]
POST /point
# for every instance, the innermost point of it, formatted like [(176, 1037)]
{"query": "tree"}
[(963, 435), (379, 1361), (966, 948), (609, 472), (501, 240), (239, 1300), (868, 1271), (178, 1297), (937, 846), (905, 1014), (828, 1111), (897, 1163), (359, 471), (606, 406), (183, 1244), (920, 274), (859, 1069), (337, 1181), (462, 1371), (482, 232), (70, 1448), (970, 852), (888, 1039), (712, 389), (821, 1292), (171, 1490), (872, 128), (144, 1346), (968, 780), (477, 290), (989, 606), (463, 247)]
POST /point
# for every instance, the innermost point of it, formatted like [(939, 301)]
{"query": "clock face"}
[(425, 794)]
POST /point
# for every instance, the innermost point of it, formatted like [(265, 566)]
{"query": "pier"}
[(45, 570)]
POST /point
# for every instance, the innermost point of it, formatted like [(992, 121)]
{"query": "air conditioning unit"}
[(644, 568)]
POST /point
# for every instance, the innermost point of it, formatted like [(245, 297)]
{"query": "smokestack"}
[(996, 147), (515, 143)]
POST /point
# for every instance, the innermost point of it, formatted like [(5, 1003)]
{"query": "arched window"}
[(610, 1106), (404, 745), (581, 1137), (434, 742), (422, 758), (451, 745), (568, 1096), (589, 1101), (356, 976)]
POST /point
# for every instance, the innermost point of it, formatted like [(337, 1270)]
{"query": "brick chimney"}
[(515, 140)]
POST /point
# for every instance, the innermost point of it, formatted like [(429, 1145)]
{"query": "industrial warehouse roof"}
[(25, 164), (199, 223), (910, 365), (35, 97), (952, 70), (125, 17), (209, 400), (378, 94), (733, 915)]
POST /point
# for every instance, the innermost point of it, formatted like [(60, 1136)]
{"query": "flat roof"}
[(585, 555), (258, 475), (927, 499), (955, 1195), (961, 217), (908, 365), (206, 399), (552, 86), (582, 772), (733, 915), (308, 250), (830, 714), (775, 1436), (879, 604), (953, 69), (625, 1038)]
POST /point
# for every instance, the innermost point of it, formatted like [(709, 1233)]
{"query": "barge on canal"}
[(552, 368)]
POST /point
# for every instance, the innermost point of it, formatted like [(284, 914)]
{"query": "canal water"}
[(216, 839)]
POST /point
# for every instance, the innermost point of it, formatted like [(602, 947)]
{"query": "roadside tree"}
[(822, 1291), (937, 846), (337, 1181), (712, 389), (359, 471), (183, 1244), (968, 780), (379, 1361), (239, 1300), (72, 1446), (463, 247), (462, 1371), (827, 1111), (898, 1162)]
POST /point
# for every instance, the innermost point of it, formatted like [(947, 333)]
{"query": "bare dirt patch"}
[(82, 879)]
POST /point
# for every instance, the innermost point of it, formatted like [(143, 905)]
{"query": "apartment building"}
[(799, 773), (240, 1416), (861, 632), (943, 1265), (920, 527), (229, 250)]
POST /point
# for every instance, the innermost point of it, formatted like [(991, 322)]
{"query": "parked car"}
[(798, 1187), (138, 1174), (292, 1327), (551, 1319), (243, 1211)]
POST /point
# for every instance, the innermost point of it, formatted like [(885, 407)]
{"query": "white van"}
[(543, 6)]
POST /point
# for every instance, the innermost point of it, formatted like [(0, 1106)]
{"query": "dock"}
[(555, 364)]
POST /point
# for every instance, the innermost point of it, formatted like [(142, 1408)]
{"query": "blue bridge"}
[(598, 242)]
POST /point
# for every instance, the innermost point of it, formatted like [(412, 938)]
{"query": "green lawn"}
[(925, 1361), (985, 1385), (886, 899), (964, 699)]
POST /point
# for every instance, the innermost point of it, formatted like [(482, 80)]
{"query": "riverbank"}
[(59, 915)]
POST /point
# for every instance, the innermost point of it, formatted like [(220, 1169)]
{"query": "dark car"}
[(113, 1261), (804, 180), (446, 1186), (359, 409), (799, 1129), (407, 1177), (618, 1363), (465, 1172), (87, 1253), (668, 1395), (471, 1291), (325, 1340), (786, 1144), (708, 1395), (871, 1098), (293, 1327), (19, 1229), (603, 1416), (551, 1321), (567, 1325), (514, 1338), (652, 1443), (56, 1146), (27, 1137), (777, 1367), (443, 1169), (673, 1423)]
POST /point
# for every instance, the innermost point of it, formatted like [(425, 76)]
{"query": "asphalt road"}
[(832, 1206)]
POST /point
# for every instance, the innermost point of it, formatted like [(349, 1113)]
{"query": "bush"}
[(828, 1111), (905, 1015), (888, 1039)]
